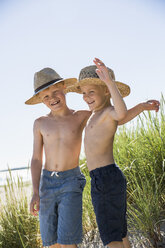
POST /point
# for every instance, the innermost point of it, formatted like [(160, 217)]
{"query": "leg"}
[(63, 246), (116, 245), (70, 213), (108, 191), (55, 246), (126, 242), (68, 246), (70, 219), (48, 213)]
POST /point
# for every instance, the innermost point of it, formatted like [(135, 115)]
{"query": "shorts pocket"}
[(97, 185), (113, 183), (44, 184), (81, 181), (41, 186)]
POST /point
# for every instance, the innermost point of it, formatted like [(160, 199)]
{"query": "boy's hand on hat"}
[(102, 70), (35, 204), (151, 105)]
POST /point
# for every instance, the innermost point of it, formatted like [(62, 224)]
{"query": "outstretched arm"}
[(119, 111), (133, 112)]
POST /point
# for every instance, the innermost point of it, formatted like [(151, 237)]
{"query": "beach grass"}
[(140, 153), (89, 219), (18, 228)]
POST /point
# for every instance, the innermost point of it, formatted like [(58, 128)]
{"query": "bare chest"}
[(60, 129), (99, 129), (95, 125)]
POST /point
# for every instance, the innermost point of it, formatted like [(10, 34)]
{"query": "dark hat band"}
[(47, 84)]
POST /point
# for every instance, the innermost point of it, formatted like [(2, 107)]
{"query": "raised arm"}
[(36, 166), (119, 111), (133, 112)]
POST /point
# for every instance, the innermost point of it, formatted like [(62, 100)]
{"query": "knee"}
[(126, 242), (54, 246), (116, 244), (68, 246)]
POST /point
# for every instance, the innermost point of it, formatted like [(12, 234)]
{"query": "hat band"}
[(47, 84), (87, 76)]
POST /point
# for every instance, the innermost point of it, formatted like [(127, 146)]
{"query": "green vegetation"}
[(18, 228), (140, 152), (89, 219)]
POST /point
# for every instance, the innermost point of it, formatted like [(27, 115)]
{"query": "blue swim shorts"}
[(60, 211), (108, 191)]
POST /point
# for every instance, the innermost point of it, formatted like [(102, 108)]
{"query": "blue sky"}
[(128, 35)]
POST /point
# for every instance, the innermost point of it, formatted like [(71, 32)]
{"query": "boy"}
[(59, 200), (108, 184)]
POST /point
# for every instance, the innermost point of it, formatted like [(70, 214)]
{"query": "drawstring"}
[(54, 172)]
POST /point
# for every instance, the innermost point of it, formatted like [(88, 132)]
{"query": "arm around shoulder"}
[(85, 114)]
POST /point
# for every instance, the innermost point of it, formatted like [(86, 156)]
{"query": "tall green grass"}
[(140, 152), (89, 219), (18, 228)]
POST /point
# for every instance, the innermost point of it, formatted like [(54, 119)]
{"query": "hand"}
[(34, 204), (102, 70), (151, 105)]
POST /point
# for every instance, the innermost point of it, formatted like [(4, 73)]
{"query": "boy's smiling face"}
[(95, 96), (54, 97)]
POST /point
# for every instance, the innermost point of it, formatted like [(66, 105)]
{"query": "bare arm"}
[(36, 166), (119, 111), (85, 114), (133, 112)]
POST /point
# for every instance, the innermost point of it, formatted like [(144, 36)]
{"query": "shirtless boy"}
[(108, 184), (59, 196)]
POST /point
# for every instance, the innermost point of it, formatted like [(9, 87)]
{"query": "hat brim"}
[(122, 87), (35, 99)]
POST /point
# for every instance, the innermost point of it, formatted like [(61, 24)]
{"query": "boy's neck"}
[(104, 105), (63, 112)]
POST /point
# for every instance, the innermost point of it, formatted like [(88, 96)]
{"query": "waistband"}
[(103, 170), (62, 174)]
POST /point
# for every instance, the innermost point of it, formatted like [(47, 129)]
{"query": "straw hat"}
[(88, 76), (43, 80)]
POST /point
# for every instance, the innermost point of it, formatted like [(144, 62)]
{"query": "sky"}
[(66, 35)]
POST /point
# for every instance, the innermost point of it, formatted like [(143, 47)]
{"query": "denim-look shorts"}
[(60, 211), (108, 191)]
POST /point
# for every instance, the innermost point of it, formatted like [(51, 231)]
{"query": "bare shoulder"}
[(108, 111), (107, 117), (83, 114), (82, 117), (38, 121)]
